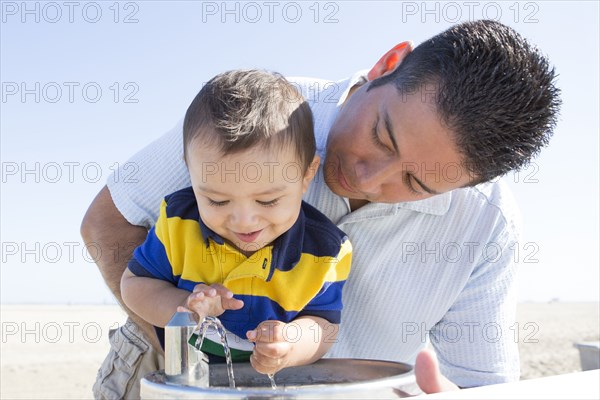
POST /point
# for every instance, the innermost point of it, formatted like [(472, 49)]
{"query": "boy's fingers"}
[(199, 288), (269, 332), (262, 365), (272, 351), (195, 297), (232, 304), (207, 290), (222, 291)]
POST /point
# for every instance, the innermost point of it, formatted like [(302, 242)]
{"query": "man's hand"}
[(210, 301), (272, 351), (427, 372)]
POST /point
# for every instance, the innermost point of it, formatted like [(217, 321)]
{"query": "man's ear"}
[(311, 171), (390, 60)]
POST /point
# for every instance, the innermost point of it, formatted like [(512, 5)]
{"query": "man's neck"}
[(356, 204)]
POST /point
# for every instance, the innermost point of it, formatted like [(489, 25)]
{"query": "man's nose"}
[(370, 177)]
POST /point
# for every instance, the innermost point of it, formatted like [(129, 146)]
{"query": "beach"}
[(53, 352)]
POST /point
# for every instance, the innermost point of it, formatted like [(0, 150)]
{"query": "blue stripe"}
[(322, 238), (333, 317), (257, 309), (187, 284), (328, 298), (138, 269), (182, 204), (150, 259)]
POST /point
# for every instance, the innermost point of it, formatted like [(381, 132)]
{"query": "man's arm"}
[(104, 228)]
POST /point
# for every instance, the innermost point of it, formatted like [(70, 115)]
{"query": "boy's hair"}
[(493, 90), (240, 109)]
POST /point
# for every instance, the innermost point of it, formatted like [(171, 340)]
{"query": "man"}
[(407, 152)]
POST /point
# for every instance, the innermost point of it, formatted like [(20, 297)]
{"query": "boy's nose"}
[(243, 219)]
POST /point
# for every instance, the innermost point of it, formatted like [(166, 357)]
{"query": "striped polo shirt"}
[(301, 273)]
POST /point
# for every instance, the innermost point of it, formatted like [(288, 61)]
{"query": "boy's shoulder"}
[(321, 236), (182, 204)]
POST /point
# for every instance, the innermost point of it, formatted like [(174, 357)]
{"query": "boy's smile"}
[(248, 237)]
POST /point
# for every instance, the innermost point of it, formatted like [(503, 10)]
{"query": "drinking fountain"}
[(187, 375)]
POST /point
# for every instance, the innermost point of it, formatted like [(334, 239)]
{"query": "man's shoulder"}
[(182, 204), (493, 200)]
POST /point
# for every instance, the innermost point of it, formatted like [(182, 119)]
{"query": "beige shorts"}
[(130, 358)]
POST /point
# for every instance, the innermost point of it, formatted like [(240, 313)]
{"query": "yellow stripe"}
[(183, 245), (293, 289), (186, 251)]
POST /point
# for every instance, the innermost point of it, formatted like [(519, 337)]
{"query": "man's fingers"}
[(429, 377)]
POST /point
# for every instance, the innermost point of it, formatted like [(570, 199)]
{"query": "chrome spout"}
[(184, 364)]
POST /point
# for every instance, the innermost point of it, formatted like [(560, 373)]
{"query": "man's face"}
[(388, 148)]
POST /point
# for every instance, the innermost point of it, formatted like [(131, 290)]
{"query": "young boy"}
[(241, 239)]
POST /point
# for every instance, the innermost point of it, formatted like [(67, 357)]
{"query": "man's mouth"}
[(248, 237), (342, 180)]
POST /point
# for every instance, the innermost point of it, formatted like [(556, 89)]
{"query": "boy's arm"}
[(152, 299), (300, 342)]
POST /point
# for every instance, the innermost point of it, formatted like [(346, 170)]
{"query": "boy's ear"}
[(390, 60), (311, 171)]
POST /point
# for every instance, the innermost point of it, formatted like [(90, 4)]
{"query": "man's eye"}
[(410, 185), (378, 141), (217, 203)]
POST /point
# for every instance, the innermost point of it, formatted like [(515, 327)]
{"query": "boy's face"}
[(249, 198), (386, 148)]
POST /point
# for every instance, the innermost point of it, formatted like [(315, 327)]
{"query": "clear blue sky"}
[(86, 85)]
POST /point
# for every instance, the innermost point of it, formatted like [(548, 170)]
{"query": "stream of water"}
[(218, 326)]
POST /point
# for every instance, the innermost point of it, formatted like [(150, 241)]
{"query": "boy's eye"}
[(217, 203), (270, 203)]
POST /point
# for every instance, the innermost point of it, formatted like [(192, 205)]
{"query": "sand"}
[(53, 352), (557, 326)]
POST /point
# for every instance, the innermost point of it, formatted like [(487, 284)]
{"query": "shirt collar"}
[(436, 205), (287, 248), (208, 233), (358, 77)]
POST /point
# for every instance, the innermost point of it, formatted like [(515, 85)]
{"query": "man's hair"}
[(493, 90), (238, 110)]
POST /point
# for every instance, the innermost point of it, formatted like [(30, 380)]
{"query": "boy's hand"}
[(210, 301), (272, 351)]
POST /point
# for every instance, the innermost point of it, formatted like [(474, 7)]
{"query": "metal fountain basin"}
[(326, 378)]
